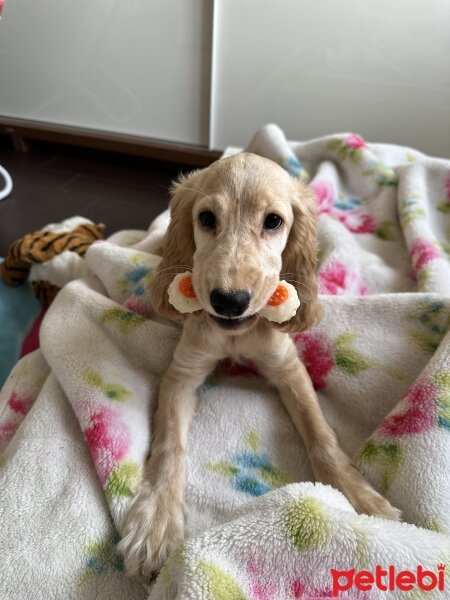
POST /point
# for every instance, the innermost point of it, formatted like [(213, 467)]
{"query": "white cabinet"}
[(315, 67), (140, 67), (160, 69)]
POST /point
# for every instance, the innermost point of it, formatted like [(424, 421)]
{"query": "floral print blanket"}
[(75, 415)]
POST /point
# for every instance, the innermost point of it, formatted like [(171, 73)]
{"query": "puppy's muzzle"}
[(229, 303)]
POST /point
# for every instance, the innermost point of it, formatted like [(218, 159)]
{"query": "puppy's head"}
[(240, 226)]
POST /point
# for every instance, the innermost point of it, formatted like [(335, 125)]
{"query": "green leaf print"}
[(444, 207), (347, 358), (93, 378), (252, 440), (442, 380), (218, 583), (113, 391), (411, 210), (223, 468), (385, 175), (100, 558), (388, 456), (123, 480), (433, 524), (274, 477), (388, 231), (126, 320), (308, 524), (344, 151), (432, 321), (354, 363)]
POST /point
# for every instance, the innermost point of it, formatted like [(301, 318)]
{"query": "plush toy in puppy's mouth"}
[(281, 307)]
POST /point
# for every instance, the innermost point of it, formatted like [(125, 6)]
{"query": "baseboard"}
[(23, 132)]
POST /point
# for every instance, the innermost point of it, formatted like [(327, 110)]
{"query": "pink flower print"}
[(419, 413), (358, 222), (318, 356), (261, 589), (245, 367), (355, 141), (422, 251), (139, 306), (317, 594), (20, 405), (447, 187), (108, 439), (297, 588), (324, 196), (337, 279), (7, 431), (444, 205), (355, 220)]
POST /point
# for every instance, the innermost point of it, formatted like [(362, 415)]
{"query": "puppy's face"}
[(240, 226)]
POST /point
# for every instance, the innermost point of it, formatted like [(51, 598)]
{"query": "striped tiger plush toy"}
[(51, 256)]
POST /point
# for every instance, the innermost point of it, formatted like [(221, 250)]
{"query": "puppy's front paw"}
[(337, 470), (364, 498), (154, 525)]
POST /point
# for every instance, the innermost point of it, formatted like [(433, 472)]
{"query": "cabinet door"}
[(315, 67), (139, 67)]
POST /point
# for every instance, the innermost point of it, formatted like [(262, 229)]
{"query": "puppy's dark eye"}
[(272, 221), (207, 219)]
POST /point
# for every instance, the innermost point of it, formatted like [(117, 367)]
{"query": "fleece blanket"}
[(75, 416)]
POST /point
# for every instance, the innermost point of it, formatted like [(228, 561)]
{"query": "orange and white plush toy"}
[(282, 304), (182, 294), (281, 307)]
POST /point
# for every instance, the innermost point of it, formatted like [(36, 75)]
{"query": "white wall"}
[(377, 67), (142, 67), (137, 66)]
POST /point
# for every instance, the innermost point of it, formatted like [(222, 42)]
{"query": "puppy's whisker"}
[(159, 282), (298, 283), (175, 267), (295, 276), (303, 292), (300, 288), (164, 187), (197, 191), (172, 272), (163, 278)]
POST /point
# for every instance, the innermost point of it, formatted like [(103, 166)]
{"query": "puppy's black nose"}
[(229, 304)]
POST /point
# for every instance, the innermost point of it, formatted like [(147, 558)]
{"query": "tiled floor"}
[(52, 183)]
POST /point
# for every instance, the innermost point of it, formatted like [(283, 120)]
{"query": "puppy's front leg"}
[(155, 521), (329, 462)]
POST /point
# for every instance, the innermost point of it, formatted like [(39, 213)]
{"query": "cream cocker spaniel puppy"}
[(240, 226)]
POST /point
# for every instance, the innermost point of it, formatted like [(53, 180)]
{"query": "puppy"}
[(240, 226)]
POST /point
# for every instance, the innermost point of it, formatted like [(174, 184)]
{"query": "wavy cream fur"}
[(239, 254)]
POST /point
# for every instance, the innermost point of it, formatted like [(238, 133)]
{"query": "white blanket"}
[(75, 416)]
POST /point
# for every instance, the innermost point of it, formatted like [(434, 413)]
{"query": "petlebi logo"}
[(388, 580)]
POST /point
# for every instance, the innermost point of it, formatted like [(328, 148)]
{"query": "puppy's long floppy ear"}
[(178, 250), (300, 261)]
